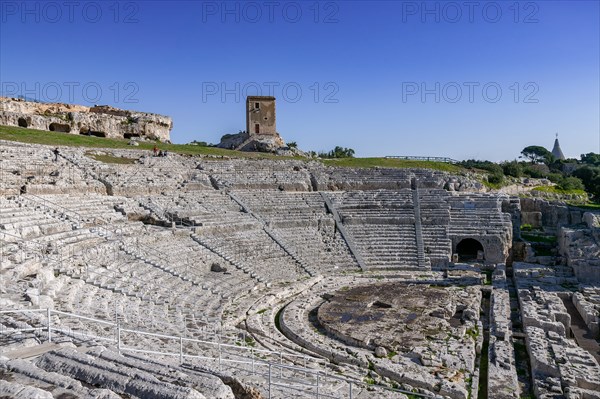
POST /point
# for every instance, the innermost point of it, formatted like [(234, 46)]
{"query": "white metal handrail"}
[(315, 374)]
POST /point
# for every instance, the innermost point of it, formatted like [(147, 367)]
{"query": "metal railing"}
[(422, 158), (277, 374)]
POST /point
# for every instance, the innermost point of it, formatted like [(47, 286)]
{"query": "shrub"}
[(571, 184), (200, 143), (512, 168), (536, 171), (495, 178), (489, 166), (555, 177), (338, 152), (526, 227)]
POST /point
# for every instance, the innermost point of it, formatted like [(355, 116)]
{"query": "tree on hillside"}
[(483, 165), (537, 154), (590, 176), (586, 173), (338, 152), (590, 158), (495, 172)]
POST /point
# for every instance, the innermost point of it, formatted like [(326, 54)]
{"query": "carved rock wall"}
[(100, 121)]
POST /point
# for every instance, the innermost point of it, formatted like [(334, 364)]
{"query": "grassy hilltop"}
[(34, 136)]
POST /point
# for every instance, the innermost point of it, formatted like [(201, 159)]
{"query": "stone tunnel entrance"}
[(22, 122), (467, 249)]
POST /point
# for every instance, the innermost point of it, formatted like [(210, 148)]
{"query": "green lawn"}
[(589, 206), (111, 159), (391, 163), (556, 190), (539, 238), (75, 140)]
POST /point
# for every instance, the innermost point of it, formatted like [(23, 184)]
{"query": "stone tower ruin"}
[(260, 115)]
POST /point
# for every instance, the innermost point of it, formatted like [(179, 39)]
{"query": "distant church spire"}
[(556, 151)]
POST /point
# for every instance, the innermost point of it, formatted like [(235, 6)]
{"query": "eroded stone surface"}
[(102, 121), (398, 316)]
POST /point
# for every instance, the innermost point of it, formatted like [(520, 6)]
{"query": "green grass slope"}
[(33, 136)]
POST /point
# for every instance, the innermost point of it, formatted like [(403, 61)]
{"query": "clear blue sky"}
[(368, 72)]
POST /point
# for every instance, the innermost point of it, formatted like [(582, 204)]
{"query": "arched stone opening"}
[(468, 249), (130, 135), (22, 122), (60, 127)]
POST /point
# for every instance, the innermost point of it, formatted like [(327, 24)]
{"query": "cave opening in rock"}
[(130, 135), (92, 133), (60, 127), (22, 122)]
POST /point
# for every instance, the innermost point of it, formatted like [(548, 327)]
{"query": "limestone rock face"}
[(233, 141), (128, 376), (15, 390), (256, 142), (101, 121), (591, 220), (582, 252), (461, 184)]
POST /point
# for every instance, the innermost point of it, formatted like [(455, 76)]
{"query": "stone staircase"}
[(344, 233), (421, 259), (309, 269)]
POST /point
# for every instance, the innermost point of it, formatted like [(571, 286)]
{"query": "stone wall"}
[(260, 110), (541, 213), (588, 313), (581, 251), (100, 121)]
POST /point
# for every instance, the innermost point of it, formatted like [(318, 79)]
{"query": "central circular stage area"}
[(397, 316)]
